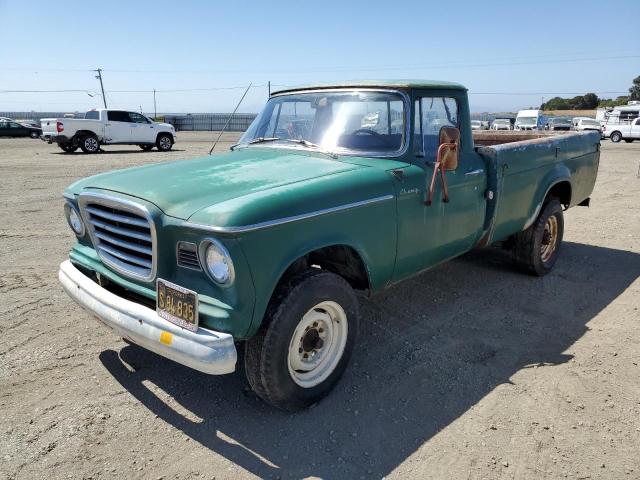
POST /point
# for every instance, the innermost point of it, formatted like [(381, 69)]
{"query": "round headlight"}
[(74, 220), (218, 263)]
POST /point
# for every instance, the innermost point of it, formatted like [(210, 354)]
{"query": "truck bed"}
[(522, 167)]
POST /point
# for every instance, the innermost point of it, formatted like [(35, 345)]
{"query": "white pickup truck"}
[(107, 127), (622, 131)]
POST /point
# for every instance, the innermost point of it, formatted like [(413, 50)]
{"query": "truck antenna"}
[(230, 117)]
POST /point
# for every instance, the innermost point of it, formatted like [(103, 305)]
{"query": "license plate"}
[(177, 304)]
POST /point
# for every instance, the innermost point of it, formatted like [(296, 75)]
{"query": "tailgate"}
[(48, 126)]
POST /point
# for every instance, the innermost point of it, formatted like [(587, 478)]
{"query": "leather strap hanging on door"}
[(446, 158)]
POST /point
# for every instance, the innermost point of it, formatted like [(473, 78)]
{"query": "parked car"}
[(627, 132), (263, 247), (586, 123), (529, 120), (107, 127), (476, 125), (559, 124), (29, 123), (502, 124), (9, 128)]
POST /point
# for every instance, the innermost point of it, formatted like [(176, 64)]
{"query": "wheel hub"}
[(311, 340)]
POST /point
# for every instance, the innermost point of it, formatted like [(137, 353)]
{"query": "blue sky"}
[(509, 54)]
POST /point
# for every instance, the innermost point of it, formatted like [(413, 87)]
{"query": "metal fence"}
[(210, 121), (182, 122)]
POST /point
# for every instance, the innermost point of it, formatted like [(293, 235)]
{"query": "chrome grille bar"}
[(122, 233)]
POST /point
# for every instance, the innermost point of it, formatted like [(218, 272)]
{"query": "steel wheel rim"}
[(310, 361), (91, 144), (549, 238), (165, 143)]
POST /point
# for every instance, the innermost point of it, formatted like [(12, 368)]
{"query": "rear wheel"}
[(306, 340), (629, 140), (146, 148), (68, 147), (164, 142), (89, 144), (536, 249), (616, 137), (34, 134)]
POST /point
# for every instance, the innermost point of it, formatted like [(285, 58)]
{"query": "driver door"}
[(430, 234), (141, 130)]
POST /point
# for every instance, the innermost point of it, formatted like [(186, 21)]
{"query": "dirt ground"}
[(471, 370)]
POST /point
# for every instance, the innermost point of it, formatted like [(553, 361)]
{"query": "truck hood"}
[(182, 188)]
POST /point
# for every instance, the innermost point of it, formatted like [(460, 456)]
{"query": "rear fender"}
[(560, 173)]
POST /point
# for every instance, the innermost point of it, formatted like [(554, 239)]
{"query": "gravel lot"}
[(470, 370)]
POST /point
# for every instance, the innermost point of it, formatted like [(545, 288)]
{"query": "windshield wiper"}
[(263, 139), (307, 143), (254, 141)]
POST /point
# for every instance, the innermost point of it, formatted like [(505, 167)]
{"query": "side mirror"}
[(448, 148), (446, 159)]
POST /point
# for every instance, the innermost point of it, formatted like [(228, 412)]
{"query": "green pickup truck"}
[(333, 189)]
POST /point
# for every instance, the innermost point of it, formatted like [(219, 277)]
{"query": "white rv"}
[(529, 120)]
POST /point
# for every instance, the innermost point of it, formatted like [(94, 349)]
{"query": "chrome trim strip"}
[(282, 221), (68, 196), (124, 256), (127, 205)]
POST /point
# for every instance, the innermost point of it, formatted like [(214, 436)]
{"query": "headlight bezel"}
[(69, 208), (204, 247)]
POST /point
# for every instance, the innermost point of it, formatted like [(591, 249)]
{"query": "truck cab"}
[(529, 120)]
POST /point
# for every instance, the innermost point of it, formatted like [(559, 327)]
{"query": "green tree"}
[(634, 91)]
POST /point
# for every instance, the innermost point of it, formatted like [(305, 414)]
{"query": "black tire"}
[(89, 144), (68, 147), (34, 134), (164, 142), (616, 137), (267, 354), (531, 247), (628, 140), (146, 148)]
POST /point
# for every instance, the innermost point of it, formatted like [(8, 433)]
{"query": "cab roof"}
[(403, 84)]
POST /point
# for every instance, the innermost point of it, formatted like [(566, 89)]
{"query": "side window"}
[(434, 113), (118, 116), (137, 118), (15, 125), (92, 115)]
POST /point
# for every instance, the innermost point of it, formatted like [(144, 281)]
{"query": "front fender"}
[(370, 230)]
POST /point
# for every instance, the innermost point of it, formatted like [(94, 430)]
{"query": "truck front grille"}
[(122, 234)]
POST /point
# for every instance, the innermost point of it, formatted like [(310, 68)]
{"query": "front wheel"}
[(306, 340), (616, 137), (536, 249), (164, 142), (89, 144)]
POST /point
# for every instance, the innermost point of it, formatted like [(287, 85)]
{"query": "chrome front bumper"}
[(205, 350)]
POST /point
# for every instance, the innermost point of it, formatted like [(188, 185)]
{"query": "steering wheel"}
[(367, 131)]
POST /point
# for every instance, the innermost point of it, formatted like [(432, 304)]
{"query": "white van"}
[(529, 120)]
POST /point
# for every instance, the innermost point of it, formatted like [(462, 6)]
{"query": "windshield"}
[(526, 120), (341, 122), (502, 121), (475, 122)]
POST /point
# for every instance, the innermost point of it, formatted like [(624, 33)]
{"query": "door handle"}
[(477, 171)]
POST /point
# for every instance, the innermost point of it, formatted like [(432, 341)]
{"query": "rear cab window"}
[(92, 115), (118, 116)]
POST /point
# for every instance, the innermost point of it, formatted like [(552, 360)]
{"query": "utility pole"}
[(155, 111), (269, 88), (99, 77)]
